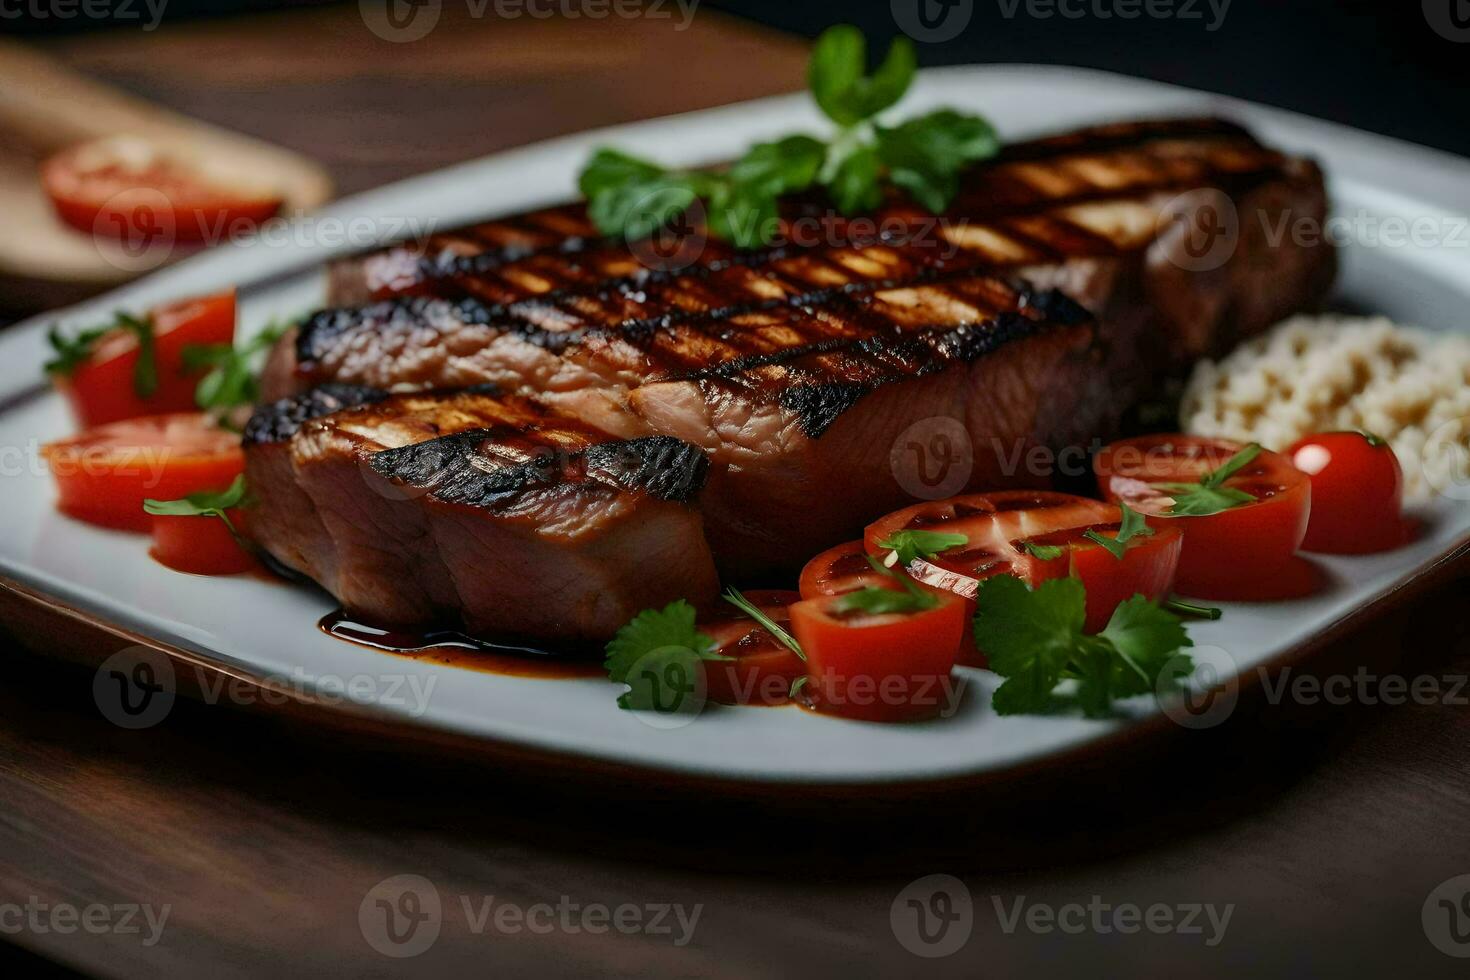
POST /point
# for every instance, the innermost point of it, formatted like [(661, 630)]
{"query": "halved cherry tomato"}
[(1357, 493), (104, 474), (201, 545), (1000, 525), (840, 570), (126, 188), (763, 668), (1246, 552), (887, 667), (101, 389)]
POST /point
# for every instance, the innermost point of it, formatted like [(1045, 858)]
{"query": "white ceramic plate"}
[(267, 630)]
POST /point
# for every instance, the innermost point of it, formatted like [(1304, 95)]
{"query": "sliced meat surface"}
[(488, 510)]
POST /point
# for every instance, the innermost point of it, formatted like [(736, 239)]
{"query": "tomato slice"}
[(763, 668), (1246, 552), (840, 570), (1001, 525), (104, 474), (1357, 494), (126, 188), (201, 545), (889, 667), (101, 388)]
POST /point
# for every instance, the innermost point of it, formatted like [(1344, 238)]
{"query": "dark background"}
[(1375, 64)]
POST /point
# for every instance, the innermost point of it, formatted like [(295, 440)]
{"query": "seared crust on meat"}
[(492, 511)]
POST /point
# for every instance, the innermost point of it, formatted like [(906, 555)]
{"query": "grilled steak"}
[(1061, 285), (791, 400), (1083, 211), (470, 506)]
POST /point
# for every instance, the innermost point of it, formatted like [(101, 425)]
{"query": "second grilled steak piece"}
[(488, 510), (1101, 213)]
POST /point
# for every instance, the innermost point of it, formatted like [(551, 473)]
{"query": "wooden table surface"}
[(1323, 828)]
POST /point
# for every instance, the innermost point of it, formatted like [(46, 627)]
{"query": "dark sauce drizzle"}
[(456, 649)]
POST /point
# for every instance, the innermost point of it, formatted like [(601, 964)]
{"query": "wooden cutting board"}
[(46, 107)]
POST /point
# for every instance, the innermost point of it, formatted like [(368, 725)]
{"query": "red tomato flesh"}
[(104, 474), (1244, 553), (101, 389), (126, 189), (1357, 494), (890, 667), (997, 524), (201, 545), (840, 570), (763, 668)]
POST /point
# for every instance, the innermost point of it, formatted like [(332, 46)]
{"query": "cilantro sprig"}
[(234, 375), (71, 352), (634, 198), (905, 547), (1035, 640), (664, 648), (1210, 495), (1045, 552), (1133, 526), (203, 504)]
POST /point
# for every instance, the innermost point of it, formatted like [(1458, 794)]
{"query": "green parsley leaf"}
[(1145, 637), (1035, 641), (737, 599), (910, 546), (782, 167), (1132, 526), (1029, 636), (632, 197), (1210, 495), (203, 504), (852, 179), (72, 351), (234, 375), (797, 685), (925, 155), (836, 75), (664, 649), (1046, 552)]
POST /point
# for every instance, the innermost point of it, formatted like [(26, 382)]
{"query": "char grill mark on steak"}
[(1094, 166), (853, 337), (278, 421), (450, 468)]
